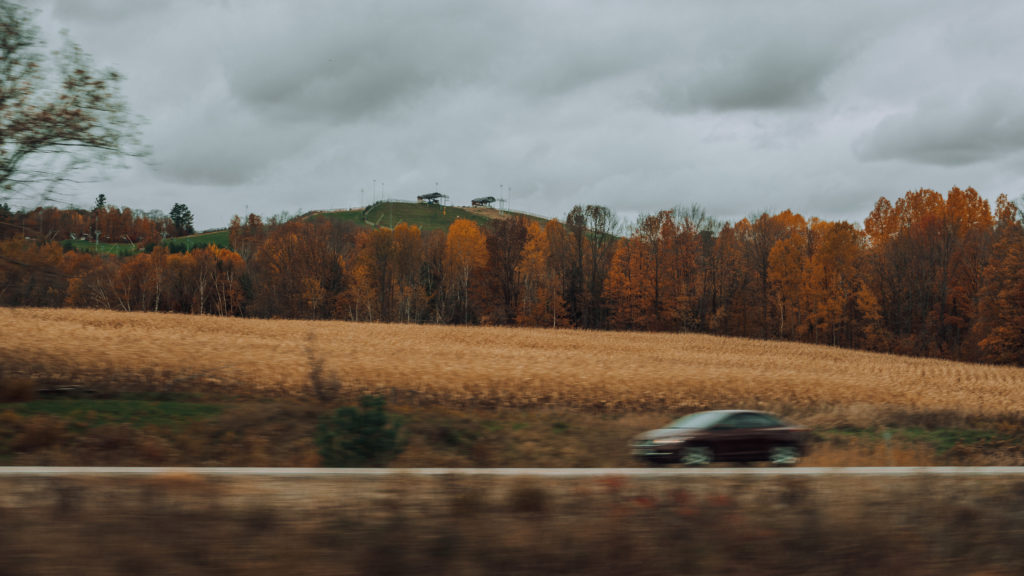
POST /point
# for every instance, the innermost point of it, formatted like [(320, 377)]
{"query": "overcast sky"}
[(740, 107)]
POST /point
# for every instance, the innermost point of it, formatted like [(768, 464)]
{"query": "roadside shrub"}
[(363, 436)]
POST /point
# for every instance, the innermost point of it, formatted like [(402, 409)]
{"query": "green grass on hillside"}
[(100, 247), (391, 214), (218, 238)]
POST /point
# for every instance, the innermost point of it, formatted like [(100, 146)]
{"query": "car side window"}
[(750, 421), (739, 421), (731, 423)]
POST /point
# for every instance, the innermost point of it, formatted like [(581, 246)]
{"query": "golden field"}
[(484, 367)]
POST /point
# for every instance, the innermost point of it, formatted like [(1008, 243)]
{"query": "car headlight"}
[(663, 441)]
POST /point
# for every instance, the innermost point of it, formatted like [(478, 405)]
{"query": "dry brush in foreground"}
[(182, 523)]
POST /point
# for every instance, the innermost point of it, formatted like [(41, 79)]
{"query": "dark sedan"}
[(723, 436)]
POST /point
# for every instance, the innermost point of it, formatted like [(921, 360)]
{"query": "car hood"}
[(665, 433)]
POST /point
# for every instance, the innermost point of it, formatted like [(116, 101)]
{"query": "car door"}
[(771, 432), (761, 435), (748, 436), (729, 438)]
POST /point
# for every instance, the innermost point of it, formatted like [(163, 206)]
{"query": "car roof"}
[(734, 411)]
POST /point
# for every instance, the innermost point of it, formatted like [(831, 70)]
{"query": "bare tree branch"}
[(55, 120)]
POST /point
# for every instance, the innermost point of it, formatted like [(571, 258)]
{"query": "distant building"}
[(484, 201), (432, 198)]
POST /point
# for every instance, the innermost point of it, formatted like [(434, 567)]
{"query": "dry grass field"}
[(489, 367)]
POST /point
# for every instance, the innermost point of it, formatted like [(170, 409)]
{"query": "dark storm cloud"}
[(749, 56), (340, 68)]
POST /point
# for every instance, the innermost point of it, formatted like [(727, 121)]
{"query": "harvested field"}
[(483, 367)]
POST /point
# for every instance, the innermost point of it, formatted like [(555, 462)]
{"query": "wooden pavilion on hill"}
[(432, 198), (484, 201)]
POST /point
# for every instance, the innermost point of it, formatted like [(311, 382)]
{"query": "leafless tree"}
[(58, 113)]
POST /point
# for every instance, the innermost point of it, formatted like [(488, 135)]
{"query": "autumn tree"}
[(927, 258), (385, 273), (657, 274), (30, 273), (432, 276), (640, 285), (833, 280), (589, 248), (297, 272), (506, 239), (758, 240), (735, 284), (870, 331), (697, 234), (88, 277), (410, 294), (625, 286), (58, 117), (1000, 325), (788, 268), (538, 277), (247, 237), (465, 253)]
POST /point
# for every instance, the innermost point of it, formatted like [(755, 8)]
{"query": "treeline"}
[(104, 223), (926, 275)]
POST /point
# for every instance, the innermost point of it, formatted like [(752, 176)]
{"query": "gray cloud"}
[(952, 129), (219, 142), (738, 106)]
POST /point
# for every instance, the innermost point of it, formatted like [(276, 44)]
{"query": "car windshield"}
[(697, 420)]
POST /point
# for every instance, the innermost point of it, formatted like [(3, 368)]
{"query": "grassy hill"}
[(186, 243), (425, 216), (386, 214), (100, 247)]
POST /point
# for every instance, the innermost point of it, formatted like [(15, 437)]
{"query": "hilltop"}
[(425, 216), (381, 214)]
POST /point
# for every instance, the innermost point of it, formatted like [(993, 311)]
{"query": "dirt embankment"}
[(181, 523)]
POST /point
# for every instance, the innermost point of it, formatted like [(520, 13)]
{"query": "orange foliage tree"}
[(927, 256), (929, 274), (465, 253), (540, 283), (297, 273), (506, 240), (1000, 326)]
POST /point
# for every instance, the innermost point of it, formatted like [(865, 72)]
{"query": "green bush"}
[(364, 436)]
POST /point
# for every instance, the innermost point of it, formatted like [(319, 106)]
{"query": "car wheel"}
[(697, 456), (784, 455)]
